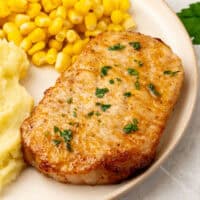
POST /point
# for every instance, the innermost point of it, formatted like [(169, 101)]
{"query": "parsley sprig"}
[(191, 19)]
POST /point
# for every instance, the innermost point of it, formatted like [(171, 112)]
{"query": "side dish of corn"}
[(55, 31)]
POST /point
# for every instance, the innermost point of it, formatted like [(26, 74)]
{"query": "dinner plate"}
[(154, 18)]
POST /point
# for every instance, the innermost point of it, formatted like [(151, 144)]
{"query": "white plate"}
[(154, 18)]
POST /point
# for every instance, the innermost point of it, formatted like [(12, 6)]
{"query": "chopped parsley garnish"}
[(153, 90), (104, 70), (100, 92), (90, 114), (69, 101), (132, 72), (103, 107), (131, 127), (137, 85), (139, 62), (56, 129), (135, 45), (170, 73), (111, 81), (116, 47), (66, 135), (127, 94), (56, 142)]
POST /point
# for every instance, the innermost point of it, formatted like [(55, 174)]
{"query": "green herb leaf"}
[(74, 114), (104, 70), (132, 72), (100, 92), (56, 142), (171, 73), (56, 129), (105, 107), (66, 135), (131, 127), (191, 19), (152, 90), (111, 81), (135, 45), (127, 94), (116, 47)]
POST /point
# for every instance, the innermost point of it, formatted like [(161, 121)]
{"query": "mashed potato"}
[(15, 106)]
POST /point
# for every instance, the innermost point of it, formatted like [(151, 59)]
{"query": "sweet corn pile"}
[(55, 31)]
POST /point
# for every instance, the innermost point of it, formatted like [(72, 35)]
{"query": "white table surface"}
[(179, 177)]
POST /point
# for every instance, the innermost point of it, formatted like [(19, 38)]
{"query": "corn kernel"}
[(67, 24), (21, 18), (83, 6), (68, 49), (77, 47), (117, 16), (98, 11), (108, 6), (27, 27), (55, 44), (4, 9), (90, 21), (39, 58), (115, 27), (68, 3), (61, 36), (56, 26), (75, 17), (12, 32), (18, 6), (51, 56), (37, 47), (26, 44), (37, 35), (61, 12), (129, 23), (42, 21), (33, 1), (92, 33), (33, 9), (72, 36), (2, 34), (124, 5), (52, 14), (74, 58), (102, 25), (63, 61), (49, 5)]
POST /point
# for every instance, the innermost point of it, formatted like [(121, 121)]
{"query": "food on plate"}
[(15, 106), (55, 31), (103, 119)]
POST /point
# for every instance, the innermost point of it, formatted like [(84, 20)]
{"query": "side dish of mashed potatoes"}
[(15, 106)]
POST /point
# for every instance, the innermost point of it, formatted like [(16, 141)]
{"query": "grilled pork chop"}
[(103, 119)]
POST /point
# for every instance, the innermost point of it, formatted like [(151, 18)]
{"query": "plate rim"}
[(152, 169)]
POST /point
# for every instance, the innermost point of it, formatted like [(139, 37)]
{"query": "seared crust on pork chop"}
[(99, 125)]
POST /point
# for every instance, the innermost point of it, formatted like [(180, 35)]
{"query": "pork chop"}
[(103, 119)]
